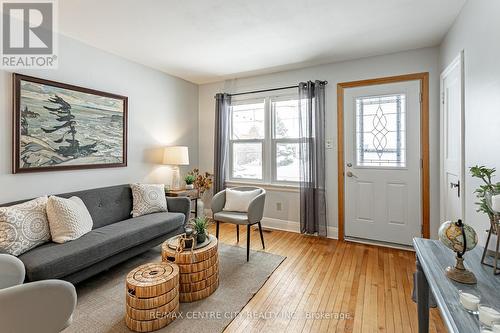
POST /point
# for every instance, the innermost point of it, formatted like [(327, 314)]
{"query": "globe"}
[(450, 234)]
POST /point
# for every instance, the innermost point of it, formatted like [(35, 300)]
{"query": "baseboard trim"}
[(285, 225), (293, 226)]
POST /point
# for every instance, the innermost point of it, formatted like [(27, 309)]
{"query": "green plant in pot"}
[(485, 193), (189, 179), (488, 187), (200, 224)]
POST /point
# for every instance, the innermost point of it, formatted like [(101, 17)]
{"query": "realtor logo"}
[(28, 34)]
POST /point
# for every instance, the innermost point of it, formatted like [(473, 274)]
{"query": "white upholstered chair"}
[(42, 306), (253, 216)]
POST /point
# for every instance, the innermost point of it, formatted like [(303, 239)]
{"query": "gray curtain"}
[(222, 104), (312, 158)]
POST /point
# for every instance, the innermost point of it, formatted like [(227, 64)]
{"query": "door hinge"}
[(421, 163), (421, 97), (442, 98)]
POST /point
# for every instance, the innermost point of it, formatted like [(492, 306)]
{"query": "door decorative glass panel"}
[(381, 131)]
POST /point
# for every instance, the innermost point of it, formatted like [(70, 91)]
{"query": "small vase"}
[(189, 186), (200, 238)]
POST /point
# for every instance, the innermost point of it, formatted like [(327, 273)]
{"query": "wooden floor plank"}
[(324, 276), (389, 309)]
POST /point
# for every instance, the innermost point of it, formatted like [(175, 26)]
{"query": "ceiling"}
[(210, 40)]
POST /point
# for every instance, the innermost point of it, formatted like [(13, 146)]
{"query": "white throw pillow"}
[(148, 198), (24, 226), (238, 201), (69, 219)]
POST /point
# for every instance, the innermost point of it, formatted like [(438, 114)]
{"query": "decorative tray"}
[(173, 243)]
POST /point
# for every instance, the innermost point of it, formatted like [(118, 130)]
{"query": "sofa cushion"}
[(106, 205), (231, 217), (58, 260)]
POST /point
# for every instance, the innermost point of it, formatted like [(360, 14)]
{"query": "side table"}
[(152, 300), (198, 270), (191, 194)]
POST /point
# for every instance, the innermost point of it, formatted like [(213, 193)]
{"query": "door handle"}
[(457, 186), (350, 174)]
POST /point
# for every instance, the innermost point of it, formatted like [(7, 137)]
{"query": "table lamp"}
[(175, 156)]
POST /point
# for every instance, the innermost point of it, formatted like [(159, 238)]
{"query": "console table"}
[(432, 259)]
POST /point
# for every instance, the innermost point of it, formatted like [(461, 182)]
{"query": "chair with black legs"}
[(249, 216)]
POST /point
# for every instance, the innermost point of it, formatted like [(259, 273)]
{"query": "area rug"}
[(101, 300)]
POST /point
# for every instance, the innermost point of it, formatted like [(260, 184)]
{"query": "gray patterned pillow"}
[(148, 198), (24, 226)]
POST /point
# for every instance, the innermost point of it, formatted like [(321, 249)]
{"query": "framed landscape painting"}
[(58, 126)]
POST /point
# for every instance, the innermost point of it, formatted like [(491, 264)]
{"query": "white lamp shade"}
[(176, 155)]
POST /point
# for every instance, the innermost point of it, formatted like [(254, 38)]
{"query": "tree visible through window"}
[(264, 142)]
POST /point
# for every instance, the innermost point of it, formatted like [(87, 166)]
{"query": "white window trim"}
[(269, 144), (266, 186)]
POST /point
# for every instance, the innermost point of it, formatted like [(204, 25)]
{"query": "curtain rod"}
[(266, 90)]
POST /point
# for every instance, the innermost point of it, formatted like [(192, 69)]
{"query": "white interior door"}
[(383, 162), (452, 165)]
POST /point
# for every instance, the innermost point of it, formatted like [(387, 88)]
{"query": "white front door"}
[(383, 162), (452, 166)]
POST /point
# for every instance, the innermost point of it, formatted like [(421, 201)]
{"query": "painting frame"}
[(16, 125)]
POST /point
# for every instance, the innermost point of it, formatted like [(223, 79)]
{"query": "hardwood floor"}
[(369, 287)]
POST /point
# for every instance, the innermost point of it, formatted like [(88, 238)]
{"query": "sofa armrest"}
[(180, 205), (256, 208), (218, 202), (12, 271), (43, 307)]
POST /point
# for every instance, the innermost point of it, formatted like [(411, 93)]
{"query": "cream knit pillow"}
[(23, 226), (148, 199), (69, 219)]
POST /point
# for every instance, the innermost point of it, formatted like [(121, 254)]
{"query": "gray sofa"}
[(115, 237)]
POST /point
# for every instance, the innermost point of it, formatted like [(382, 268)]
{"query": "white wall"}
[(477, 32), (423, 60), (162, 110)]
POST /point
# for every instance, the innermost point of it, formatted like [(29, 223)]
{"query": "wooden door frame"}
[(424, 142), (457, 62)]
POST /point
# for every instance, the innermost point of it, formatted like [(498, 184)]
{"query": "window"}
[(247, 138), (264, 140), (381, 131), (285, 121)]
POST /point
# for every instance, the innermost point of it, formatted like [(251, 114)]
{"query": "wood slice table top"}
[(152, 279), (188, 256)]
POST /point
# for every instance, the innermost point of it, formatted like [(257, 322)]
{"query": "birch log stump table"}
[(432, 259), (198, 270), (152, 296)]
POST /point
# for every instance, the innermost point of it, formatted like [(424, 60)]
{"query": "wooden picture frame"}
[(58, 126)]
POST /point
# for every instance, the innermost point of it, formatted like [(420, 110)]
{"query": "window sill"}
[(266, 186)]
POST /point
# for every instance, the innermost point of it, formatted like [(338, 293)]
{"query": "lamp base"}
[(460, 274), (176, 176)]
